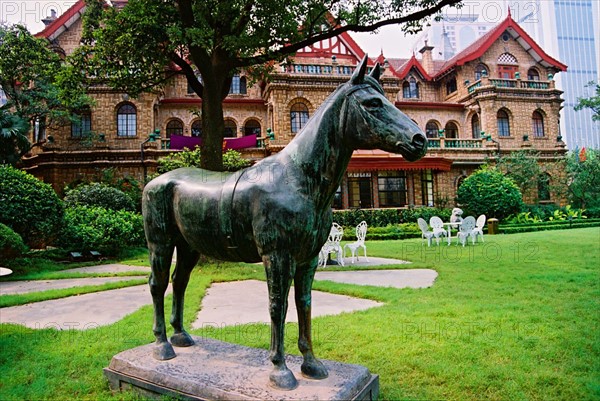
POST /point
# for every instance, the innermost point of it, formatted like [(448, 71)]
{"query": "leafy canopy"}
[(592, 102), (139, 47)]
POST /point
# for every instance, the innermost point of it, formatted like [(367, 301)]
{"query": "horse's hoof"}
[(163, 352), (283, 379), (314, 369), (182, 339)]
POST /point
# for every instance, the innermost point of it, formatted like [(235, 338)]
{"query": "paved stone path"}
[(224, 304)]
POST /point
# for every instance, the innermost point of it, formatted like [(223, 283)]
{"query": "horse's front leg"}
[(303, 279), (186, 260), (280, 270), (160, 261)]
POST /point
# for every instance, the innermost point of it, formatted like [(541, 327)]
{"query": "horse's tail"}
[(157, 209)]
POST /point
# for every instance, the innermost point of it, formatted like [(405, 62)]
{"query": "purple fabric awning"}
[(179, 142)]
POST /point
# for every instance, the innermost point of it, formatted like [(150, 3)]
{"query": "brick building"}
[(494, 97)]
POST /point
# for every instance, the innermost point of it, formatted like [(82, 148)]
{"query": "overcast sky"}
[(390, 38)]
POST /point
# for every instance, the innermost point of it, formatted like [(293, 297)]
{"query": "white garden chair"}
[(425, 233), (361, 234), (466, 230), (437, 226), (332, 245), (478, 230)]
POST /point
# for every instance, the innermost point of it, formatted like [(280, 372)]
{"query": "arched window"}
[(410, 89), (503, 123), (507, 58), (431, 129), (475, 127), (533, 75), (459, 181), (230, 129), (126, 120), (298, 116), (252, 127), (480, 71), (82, 126), (174, 127), (507, 66), (238, 85), (537, 121), (451, 130), (543, 185), (197, 128), (451, 86)]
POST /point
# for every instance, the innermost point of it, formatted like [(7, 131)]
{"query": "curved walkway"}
[(224, 304)]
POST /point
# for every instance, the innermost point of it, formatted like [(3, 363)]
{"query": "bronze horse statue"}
[(277, 211)]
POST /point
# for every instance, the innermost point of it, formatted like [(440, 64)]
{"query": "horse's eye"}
[(373, 103)]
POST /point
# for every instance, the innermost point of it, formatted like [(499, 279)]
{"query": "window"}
[(503, 123), (427, 187), (252, 127), (431, 129), (480, 71), (538, 124), (238, 85), (39, 129), (230, 129), (3, 98), (197, 128), (82, 126), (451, 86), (533, 75), (543, 185), (451, 130), (507, 58), (298, 116), (174, 127), (360, 193), (392, 188), (337, 199), (126, 120), (475, 126), (410, 89)]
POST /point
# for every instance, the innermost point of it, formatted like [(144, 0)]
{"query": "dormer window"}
[(480, 71), (451, 86), (238, 85), (410, 89), (533, 75)]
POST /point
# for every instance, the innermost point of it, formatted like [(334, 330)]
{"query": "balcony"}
[(486, 84), (454, 143)]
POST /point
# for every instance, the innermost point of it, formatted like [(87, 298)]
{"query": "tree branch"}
[(189, 72)]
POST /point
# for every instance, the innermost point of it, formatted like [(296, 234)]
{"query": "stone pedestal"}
[(215, 370)]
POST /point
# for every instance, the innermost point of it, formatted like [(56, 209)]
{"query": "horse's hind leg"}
[(186, 260), (160, 261), (303, 279)]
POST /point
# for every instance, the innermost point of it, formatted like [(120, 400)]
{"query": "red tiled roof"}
[(481, 45), (412, 63), (63, 22), (372, 160)]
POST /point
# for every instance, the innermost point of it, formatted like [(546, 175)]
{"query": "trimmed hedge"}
[(100, 195), (386, 217), (11, 243), (29, 206), (551, 225)]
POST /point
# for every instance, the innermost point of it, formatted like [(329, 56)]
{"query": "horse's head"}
[(372, 122)]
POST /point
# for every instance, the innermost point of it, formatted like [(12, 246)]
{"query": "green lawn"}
[(515, 318)]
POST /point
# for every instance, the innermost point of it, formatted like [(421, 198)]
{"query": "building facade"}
[(496, 96)]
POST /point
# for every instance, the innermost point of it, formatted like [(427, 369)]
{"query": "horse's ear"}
[(359, 73), (376, 72)]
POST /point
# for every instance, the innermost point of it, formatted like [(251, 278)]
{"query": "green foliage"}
[(547, 225), (38, 84), (97, 194), (232, 160), (13, 137), (130, 47), (11, 243), (487, 191), (387, 217), (523, 217), (592, 102), (523, 168), (95, 228), (29, 206), (583, 178)]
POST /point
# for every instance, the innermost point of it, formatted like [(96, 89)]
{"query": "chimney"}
[(427, 57), (48, 20)]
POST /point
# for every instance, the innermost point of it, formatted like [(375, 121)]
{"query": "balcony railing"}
[(510, 83), (452, 143)]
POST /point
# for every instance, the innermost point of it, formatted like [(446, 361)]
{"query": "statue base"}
[(216, 370)]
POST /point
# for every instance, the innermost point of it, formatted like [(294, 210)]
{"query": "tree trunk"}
[(213, 128)]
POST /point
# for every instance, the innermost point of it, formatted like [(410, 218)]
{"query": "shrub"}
[(386, 217), (488, 192), (100, 195), (29, 206), (232, 160), (11, 243), (94, 228)]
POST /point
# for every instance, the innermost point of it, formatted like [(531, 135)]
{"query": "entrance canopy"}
[(371, 160)]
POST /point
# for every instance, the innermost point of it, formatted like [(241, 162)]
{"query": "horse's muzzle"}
[(417, 148)]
